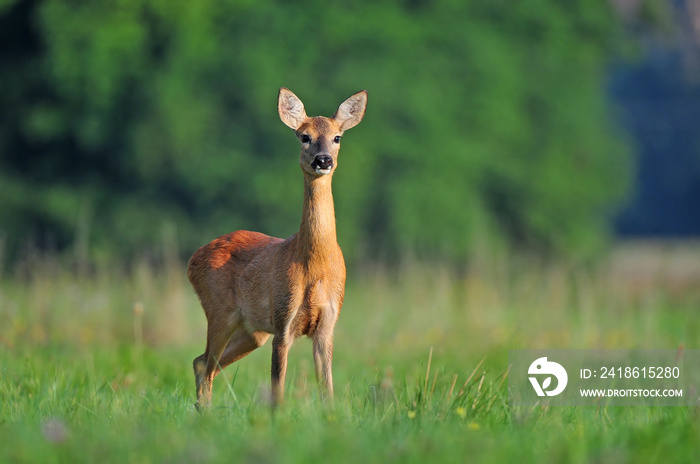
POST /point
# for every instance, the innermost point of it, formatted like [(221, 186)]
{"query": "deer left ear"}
[(351, 111), (290, 108)]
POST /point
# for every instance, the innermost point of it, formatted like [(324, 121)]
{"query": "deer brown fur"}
[(252, 285)]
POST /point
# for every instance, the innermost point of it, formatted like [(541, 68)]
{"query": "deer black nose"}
[(322, 162)]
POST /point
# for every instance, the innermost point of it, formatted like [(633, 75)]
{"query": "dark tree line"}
[(488, 122)]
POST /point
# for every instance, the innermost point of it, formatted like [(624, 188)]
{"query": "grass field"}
[(96, 367)]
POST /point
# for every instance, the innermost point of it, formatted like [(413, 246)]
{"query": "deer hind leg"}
[(241, 344), (206, 366)]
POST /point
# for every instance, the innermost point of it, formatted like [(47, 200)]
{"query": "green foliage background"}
[(126, 121)]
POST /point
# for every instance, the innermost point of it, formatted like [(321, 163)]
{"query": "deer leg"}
[(280, 349), (242, 343), (323, 359), (206, 366), (200, 368)]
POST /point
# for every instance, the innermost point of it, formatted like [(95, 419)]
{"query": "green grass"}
[(420, 371)]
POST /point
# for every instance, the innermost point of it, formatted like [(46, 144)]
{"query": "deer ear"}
[(351, 111), (290, 108)]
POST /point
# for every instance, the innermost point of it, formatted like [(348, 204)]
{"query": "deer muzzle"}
[(322, 164)]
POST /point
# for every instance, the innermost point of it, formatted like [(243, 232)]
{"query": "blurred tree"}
[(122, 120)]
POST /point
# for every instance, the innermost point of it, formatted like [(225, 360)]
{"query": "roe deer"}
[(252, 285)]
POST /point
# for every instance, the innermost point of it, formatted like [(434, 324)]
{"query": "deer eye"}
[(305, 138), (336, 139)]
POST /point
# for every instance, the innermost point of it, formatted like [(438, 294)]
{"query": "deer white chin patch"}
[(323, 172)]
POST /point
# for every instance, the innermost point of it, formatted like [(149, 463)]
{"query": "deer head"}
[(320, 136)]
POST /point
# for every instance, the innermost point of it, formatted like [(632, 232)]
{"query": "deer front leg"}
[(323, 358), (323, 352), (280, 349)]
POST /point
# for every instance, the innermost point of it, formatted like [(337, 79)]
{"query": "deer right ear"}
[(352, 110), (290, 108)]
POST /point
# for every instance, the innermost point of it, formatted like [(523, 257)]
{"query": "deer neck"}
[(317, 235)]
